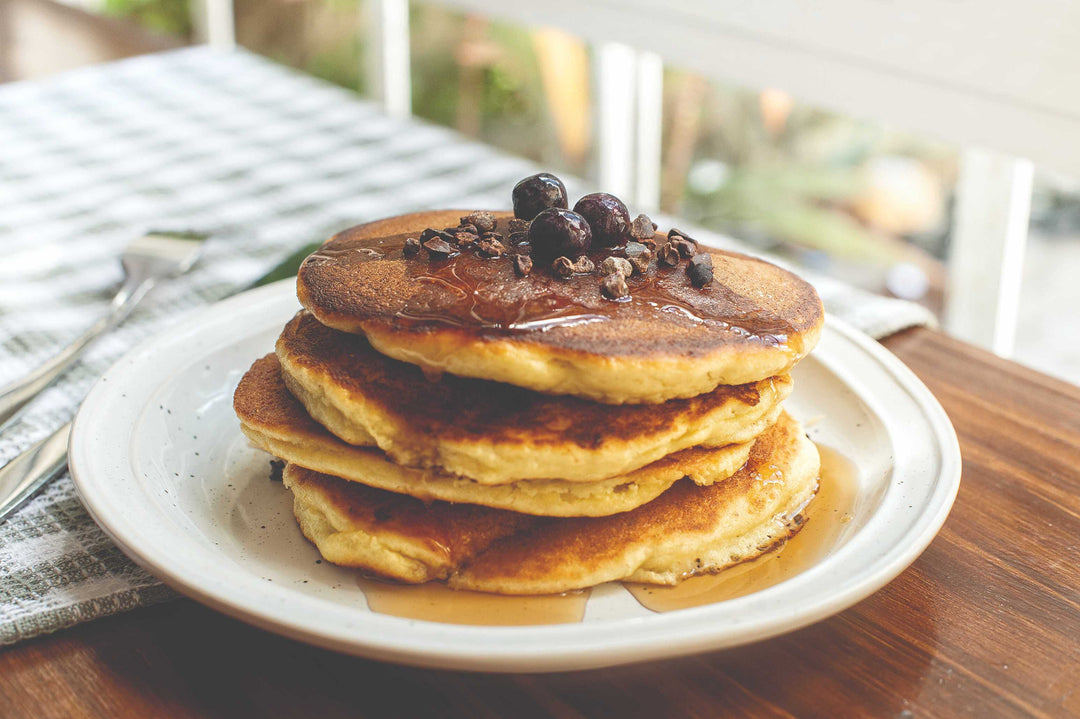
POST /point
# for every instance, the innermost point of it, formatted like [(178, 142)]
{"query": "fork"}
[(155, 256)]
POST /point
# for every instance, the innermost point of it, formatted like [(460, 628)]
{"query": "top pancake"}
[(474, 317)]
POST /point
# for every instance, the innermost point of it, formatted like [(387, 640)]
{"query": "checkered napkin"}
[(263, 159)]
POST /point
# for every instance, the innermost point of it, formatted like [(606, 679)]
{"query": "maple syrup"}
[(483, 293), (435, 602), (828, 515)]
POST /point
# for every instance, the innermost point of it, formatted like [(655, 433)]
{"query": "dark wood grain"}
[(985, 623)]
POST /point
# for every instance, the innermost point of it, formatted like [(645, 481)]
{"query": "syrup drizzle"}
[(468, 290)]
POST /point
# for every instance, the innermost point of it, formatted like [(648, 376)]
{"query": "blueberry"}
[(537, 193), (607, 217), (557, 232)]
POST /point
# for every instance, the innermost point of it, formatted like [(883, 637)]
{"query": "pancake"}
[(473, 317), (497, 433), (275, 422), (687, 530)]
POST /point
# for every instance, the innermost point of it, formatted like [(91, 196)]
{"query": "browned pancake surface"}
[(360, 281), (496, 413), (454, 531), (276, 422), (498, 550), (262, 397), (530, 554)]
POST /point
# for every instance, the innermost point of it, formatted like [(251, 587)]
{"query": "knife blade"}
[(22, 477)]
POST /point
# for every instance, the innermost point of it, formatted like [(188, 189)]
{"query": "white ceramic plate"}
[(159, 460)]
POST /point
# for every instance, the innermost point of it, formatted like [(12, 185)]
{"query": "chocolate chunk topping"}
[(484, 221), (640, 262), (433, 234), (668, 255), (489, 245), (438, 248), (686, 244), (522, 265), (700, 269), (642, 228), (563, 267), (466, 239), (584, 265), (616, 264), (462, 237), (411, 248), (684, 247), (277, 466), (614, 286)]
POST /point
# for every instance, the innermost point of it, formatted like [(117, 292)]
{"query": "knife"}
[(24, 476)]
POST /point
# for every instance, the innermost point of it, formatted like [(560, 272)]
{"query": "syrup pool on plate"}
[(435, 602), (827, 517)]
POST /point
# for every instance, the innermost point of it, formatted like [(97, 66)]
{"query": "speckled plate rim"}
[(102, 440)]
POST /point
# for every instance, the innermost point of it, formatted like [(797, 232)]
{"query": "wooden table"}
[(985, 623)]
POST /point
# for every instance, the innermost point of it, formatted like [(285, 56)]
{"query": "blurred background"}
[(855, 199)]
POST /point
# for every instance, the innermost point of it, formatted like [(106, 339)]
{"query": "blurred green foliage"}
[(783, 173), (168, 17), (339, 64), (779, 173), (788, 204), (496, 97)]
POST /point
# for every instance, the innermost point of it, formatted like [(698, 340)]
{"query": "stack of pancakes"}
[(444, 418)]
